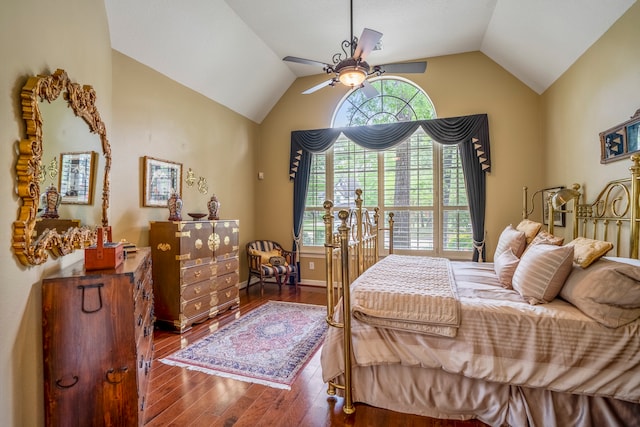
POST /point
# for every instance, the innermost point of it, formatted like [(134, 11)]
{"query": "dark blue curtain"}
[(471, 133)]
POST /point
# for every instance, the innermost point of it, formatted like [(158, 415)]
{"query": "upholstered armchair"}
[(269, 260)]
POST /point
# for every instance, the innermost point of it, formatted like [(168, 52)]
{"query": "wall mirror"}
[(59, 148)]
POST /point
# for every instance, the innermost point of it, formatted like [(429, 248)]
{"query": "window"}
[(419, 180)]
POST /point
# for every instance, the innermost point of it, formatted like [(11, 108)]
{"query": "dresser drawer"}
[(228, 294), (197, 290), (226, 281), (197, 273), (196, 308), (227, 266)]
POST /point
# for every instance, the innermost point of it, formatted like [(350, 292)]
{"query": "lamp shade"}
[(352, 76), (562, 197)]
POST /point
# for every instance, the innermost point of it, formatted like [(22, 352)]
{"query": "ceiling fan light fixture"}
[(352, 75)]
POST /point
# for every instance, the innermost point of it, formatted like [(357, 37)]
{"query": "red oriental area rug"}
[(268, 345)]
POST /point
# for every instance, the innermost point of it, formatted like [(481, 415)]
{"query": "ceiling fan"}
[(352, 69)]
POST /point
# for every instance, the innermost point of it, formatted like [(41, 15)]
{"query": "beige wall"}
[(36, 37), (458, 85), (155, 116), (601, 90)]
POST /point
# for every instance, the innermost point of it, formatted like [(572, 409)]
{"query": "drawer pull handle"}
[(60, 385), (197, 289), (116, 378), (228, 265), (198, 305), (228, 279), (197, 273), (228, 294), (84, 304)]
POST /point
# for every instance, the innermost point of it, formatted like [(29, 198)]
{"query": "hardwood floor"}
[(181, 397)]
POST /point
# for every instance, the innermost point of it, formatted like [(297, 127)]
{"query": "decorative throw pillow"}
[(277, 261), (548, 238), (607, 291), (530, 229), (266, 255), (510, 238), (504, 266), (542, 271), (586, 251)]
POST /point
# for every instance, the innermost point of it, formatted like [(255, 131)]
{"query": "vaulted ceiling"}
[(231, 50)]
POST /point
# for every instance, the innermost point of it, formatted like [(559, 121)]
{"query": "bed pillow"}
[(542, 271), (504, 266), (607, 291), (548, 238), (587, 251), (530, 229), (510, 238)]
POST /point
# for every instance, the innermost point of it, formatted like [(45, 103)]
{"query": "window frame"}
[(438, 208)]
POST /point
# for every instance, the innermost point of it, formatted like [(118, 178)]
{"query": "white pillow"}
[(510, 238), (505, 265), (542, 271)]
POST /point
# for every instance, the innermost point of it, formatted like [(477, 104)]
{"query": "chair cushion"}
[(269, 270)]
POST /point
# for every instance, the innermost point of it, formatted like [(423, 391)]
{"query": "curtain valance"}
[(452, 130), (471, 132)]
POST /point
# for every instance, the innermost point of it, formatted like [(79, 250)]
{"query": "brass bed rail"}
[(348, 253)]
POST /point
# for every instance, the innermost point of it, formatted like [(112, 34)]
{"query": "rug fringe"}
[(226, 375)]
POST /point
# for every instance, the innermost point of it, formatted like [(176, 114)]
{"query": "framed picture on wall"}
[(620, 141), (161, 178), (76, 177), (558, 217)]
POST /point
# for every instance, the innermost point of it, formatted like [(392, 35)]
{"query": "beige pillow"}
[(607, 291), (542, 271), (548, 238), (586, 251), (504, 266), (530, 229), (510, 238)]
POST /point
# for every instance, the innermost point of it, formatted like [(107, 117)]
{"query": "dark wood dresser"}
[(97, 331), (195, 272)]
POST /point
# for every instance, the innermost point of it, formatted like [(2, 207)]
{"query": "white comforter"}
[(503, 339)]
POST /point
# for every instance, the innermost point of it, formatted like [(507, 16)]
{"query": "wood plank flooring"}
[(181, 397)]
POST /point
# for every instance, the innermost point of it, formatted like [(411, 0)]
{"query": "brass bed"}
[(558, 367)]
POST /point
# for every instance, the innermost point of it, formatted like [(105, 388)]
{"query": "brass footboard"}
[(349, 252)]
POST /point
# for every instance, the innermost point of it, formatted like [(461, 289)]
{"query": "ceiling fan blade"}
[(368, 90), (304, 61), (318, 86), (404, 67), (367, 41)]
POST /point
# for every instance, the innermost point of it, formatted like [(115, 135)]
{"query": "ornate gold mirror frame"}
[(35, 250)]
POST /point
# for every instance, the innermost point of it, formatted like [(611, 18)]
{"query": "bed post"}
[(328, 256), (359, 234), (635, 199), (346, 302)]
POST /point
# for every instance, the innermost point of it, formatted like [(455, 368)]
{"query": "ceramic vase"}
[(175, 207), (214, 207), (52, 201)]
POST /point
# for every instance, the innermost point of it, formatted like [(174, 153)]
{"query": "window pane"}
[(316, 194), (457, 234), (313, 228), (453, 188), (353, 168), (413, 229)]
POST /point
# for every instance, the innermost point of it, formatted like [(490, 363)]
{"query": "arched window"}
[(419, 180)]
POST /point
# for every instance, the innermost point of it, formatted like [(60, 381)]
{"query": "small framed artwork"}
[(161, 178), (620, 141), (558, 217), (77, 176)]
